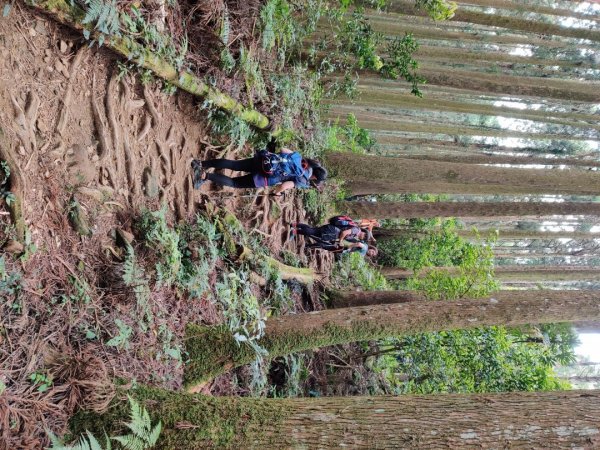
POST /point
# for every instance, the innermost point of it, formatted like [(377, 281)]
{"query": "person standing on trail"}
[(286, 170), (329, 237)]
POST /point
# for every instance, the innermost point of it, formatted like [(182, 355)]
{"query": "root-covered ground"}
[(90, 148)]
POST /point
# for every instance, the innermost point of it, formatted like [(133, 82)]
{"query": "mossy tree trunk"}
[(556, 420), (391, 175), (212, 350), (399, 210)]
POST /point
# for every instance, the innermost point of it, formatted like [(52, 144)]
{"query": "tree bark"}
[(212, 350), (424, 28), (373, 96), (497, 20), (502, 273), (552, 420), (399, 210), (71, 15), (383, 121), (529, 7), (393, 175), (347, 299)]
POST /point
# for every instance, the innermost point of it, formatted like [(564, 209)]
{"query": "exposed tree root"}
[(66, 100), (151, 108), (103, 146), (145, 129), (25, 119), (111, 94), (130, 163)]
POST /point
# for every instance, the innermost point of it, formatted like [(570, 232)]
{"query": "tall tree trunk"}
[(502, 273), (552, 420), (372, 96), (525, 25), (510, 85), (213, 350), (392, 175), (507, 160), (347, 299), (399, 210), (513, 234), (529, 7), (382, 121), (513, 85), (423, 28)]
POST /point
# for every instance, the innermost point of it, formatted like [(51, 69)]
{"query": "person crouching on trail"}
[(286, 170), (330, 237)]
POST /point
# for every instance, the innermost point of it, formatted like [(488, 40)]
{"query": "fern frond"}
[(93, 442), (139, 418), (154, 434), (130, 442)]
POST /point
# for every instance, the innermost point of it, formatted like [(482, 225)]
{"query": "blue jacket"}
[(289, 168)]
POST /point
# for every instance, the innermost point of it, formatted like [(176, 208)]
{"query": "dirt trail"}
[(69, 118), (88, 142)]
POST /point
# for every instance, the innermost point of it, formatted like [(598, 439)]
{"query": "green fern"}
[(227, 59), (143, 434), (134, 277), (267, 16), (104, 15), (86, 442), (255, 82)]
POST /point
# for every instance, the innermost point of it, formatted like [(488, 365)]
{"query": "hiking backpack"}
[(342, 222), (281, 165)]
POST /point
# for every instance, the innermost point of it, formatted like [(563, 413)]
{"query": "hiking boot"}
[(197, 172)]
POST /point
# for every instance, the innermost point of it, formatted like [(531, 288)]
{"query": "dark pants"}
[(243, 165), (324, 233)]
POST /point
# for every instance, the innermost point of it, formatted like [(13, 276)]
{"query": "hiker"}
[(352, 228), (286, 170), (331, 238)]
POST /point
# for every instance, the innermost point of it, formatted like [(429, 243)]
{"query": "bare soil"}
[(85, 141)]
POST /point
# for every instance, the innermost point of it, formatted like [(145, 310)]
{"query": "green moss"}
[(213, 350), (189, 421)]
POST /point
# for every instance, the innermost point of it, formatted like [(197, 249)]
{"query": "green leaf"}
[(155, 434)]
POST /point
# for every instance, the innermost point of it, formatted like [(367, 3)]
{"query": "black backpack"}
[(342, 222)]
